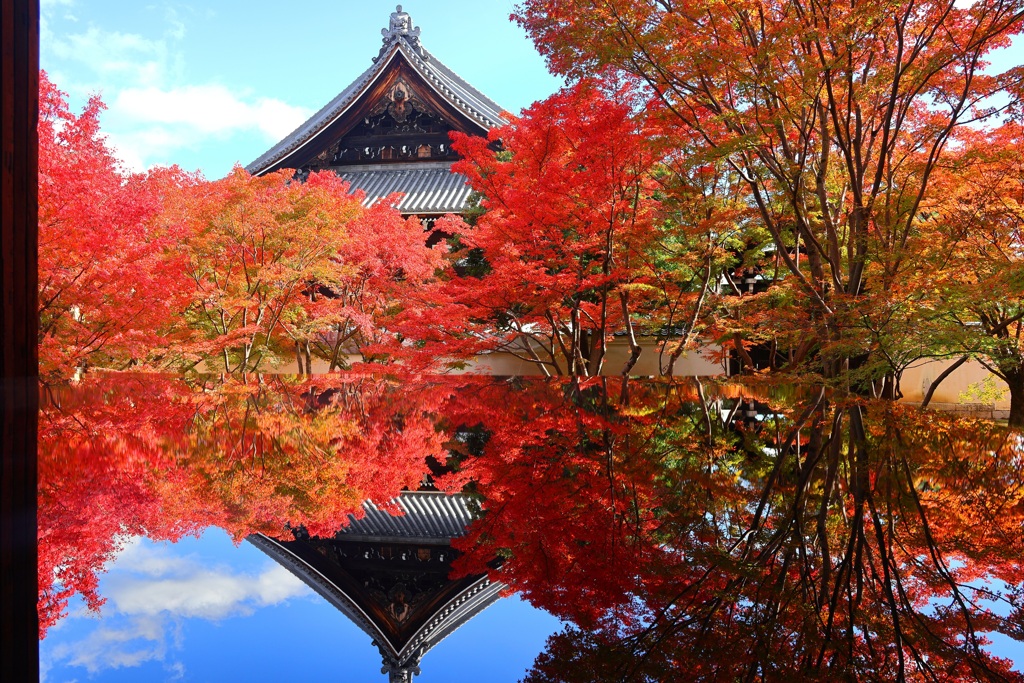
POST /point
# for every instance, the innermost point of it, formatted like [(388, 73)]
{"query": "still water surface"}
[(472, 528)]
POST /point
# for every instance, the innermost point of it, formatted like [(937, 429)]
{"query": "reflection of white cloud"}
[(177, 670), (150, 591), (138, 556), (141, 640), (149, 579), (204, 594)]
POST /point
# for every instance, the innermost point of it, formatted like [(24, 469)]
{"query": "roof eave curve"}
[(446, 83), (329, 113)]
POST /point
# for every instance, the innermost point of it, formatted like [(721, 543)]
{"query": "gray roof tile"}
[(427, 514), (430, 190)]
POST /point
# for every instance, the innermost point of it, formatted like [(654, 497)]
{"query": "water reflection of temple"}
[(389, 575)]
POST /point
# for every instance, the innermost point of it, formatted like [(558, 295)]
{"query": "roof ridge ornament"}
[(400, 26)]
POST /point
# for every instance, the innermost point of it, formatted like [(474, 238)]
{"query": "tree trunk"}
[(938, 380), (634, 347), (890, 387), (737, 342), (1016, 382)]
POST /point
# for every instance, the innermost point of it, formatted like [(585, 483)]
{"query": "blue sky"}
[(206, 85), (204, 610)]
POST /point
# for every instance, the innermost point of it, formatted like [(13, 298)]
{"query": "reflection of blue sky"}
[(205, 610)]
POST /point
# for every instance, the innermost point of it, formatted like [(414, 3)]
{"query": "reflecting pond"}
[(483, 528)]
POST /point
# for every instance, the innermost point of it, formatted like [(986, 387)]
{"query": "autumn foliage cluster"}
[(166, 270), (875, 149), (681, 530), (831, 190)]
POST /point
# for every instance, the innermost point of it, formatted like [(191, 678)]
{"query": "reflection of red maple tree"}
[(105, 463), (571, 518), (675, 527), (131, 455), (819, 542), (275, 453)]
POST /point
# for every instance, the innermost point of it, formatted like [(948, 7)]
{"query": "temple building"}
[(388, 131), (389, 575)]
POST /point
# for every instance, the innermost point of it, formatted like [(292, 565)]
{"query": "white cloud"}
[(176, 27), (113, 56), (208, 109), (152, 125), (153, 115)]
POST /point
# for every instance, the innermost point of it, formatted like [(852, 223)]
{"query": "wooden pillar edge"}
[(19, 85)]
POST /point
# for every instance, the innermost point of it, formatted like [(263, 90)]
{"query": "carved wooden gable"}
[(400, 125), (388, 131)]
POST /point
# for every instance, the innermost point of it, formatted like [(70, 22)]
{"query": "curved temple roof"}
[(401, 41), (425, 529)]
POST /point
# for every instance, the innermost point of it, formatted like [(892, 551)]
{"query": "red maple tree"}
[(110, 284)]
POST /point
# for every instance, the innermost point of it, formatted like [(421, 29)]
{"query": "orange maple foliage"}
[(977, 275), (835, 115), (283, 269)]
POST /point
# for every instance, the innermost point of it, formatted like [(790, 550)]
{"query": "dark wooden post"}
[(19, 393)]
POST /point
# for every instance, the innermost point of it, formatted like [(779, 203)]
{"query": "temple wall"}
[(688, 365), (970, 387)]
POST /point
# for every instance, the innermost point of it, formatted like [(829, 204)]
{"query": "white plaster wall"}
[(689, 365), (695, 363), (917, 378)]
